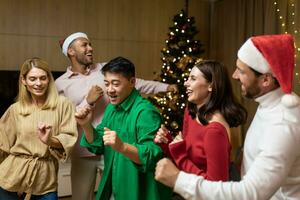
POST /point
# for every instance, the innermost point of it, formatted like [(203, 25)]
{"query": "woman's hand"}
[(44, 133), (178, 138), (161, 135)]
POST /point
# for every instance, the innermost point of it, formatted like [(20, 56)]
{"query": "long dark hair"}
[(221, 98)]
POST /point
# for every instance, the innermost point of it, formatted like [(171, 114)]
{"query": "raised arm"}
[(153, 87)]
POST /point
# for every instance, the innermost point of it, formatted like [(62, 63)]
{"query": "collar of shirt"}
[(70, 73), (270, 99), (128, 102)]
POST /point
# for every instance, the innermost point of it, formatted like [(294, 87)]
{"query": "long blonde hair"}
[(24, 97)]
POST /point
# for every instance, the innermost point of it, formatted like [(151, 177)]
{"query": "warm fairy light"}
[(288, 25)]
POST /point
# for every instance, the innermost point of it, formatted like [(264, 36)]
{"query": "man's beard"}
[(252, 92), (83, 61)]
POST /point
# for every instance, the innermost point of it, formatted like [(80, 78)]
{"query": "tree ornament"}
[(183, 62), (174, 125), (184, 27)]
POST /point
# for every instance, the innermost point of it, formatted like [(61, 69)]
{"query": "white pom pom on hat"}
[(66, 42), (273, 54)]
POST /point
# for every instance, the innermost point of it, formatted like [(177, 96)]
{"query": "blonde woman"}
[(35, 132)]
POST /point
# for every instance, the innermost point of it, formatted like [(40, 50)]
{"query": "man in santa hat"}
[(271, 158), (82, 83)]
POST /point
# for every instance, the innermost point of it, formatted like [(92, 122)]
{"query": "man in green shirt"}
[(125, 137)]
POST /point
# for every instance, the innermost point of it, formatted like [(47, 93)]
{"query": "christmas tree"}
[(178, 57)]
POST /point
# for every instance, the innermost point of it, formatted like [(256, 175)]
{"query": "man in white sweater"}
[(271, 158)]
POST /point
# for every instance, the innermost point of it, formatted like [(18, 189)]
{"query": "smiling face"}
[(197, 88), (81, 49), (118, 87), (36, 82), (249, 81)]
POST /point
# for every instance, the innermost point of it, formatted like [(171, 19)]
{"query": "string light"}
[(288, 25)]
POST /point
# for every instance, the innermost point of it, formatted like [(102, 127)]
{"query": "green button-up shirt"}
[(136, 121)]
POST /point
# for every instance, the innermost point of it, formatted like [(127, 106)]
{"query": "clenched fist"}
[(94, 94)]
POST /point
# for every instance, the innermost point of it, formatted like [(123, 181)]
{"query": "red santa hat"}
[(65, 43), (272, 54)]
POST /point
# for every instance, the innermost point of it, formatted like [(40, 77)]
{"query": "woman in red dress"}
[(203, 147)]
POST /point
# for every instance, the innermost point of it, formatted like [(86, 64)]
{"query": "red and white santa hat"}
[(65, 43), (272, 54)]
